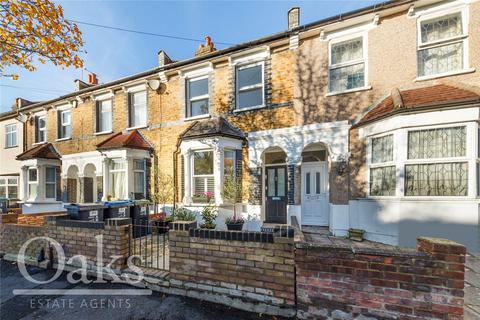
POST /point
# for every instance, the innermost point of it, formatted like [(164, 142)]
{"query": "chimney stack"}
[(79, 85), (163, 58), (293, 18), (92, 79), (207, 48)]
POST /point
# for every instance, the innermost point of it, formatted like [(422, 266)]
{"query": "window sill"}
[(38, 143), (63, 139), (137, 127), (11, 147), (446, 74), (336, 93), (249, 108), (203, 116), (103, 132)]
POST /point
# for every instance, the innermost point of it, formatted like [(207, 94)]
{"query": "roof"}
[(415, 99), (43, 151), (212, 127), (132, 140), (246, 45)]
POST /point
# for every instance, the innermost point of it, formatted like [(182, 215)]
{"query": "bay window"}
[(32, 183), (347, 65), (197, 96), (229, 163), (382, 167), (50, 182), (202, 178), (437, 164), (250, 86), (117, 179), (139, 178), (40, 129), (64, 124), (442, 44), (137, 109), (104, 116), (10, 135)]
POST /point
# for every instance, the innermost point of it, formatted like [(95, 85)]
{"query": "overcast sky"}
[(113, 54)]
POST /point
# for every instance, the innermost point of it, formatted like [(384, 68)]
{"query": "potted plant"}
[(232, 193), (182, 214), (209, 213), (163, 190)]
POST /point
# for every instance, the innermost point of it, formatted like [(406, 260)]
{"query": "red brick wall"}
[(407, 284)]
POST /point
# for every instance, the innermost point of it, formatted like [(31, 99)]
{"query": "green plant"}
[(182, 214), (209, 214), (232, 193), (163, 188)]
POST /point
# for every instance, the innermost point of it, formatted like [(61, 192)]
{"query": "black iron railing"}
[(148, 243)]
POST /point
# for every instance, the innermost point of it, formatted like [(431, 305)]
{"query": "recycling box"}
[(86, 211)]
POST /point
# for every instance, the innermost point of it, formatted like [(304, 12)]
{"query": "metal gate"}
[(148, 242)]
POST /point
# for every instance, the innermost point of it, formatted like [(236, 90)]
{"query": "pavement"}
[(72, 307), (472, 287)]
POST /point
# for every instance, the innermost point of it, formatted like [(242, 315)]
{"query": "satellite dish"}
[(154, 84), (22, 117)]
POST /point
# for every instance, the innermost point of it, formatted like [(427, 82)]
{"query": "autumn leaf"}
[(36, 30)]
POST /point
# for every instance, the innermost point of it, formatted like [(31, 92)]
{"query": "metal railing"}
[(148, 242)]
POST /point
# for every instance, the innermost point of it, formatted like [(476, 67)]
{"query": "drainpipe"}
[(175, 172)]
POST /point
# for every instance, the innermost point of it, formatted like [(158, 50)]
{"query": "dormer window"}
[(442, 45), (197, 96), (347, 65)]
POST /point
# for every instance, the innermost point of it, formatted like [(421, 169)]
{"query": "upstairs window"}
[(10, 135), (203, 179), (138, 109), (197, 97), (40, 129), (442, 45), (250, 88), (382, 168), (347, 65), (104, 116), (64, 124), (437, 164)]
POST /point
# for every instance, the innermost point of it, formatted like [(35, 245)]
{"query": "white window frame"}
[(372, 165), (29, 182), (204, 176), (98, 118), (8, 184), (400, 156), (12, 133), (189, 100), (144, 171), (110, 171), (239, 89), (50, 182), (130, 93), (63, 124), (464, 12), (364, 60), (40, 129)]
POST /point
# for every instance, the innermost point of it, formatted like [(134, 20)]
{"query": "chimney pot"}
[(293, 18), (92, 78), (207, 48)]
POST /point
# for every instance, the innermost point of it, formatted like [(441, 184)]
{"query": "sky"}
[(113, 54)]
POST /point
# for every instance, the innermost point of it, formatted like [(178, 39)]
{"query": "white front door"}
[(315, 208)]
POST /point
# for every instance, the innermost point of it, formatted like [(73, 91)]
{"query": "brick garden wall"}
[(255, 273), (341, 282), (75, 237)]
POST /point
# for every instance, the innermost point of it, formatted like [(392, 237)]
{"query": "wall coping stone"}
[(80, 224), (117, 222), (183, 225), (247, 236)]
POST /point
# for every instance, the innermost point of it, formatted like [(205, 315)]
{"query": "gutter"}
[(245, 45)]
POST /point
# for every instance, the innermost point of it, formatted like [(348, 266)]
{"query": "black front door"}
[(276, 194)]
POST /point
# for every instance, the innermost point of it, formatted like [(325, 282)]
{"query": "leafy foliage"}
[(37, 28), (163, 187), (209, 214), (182, 214), (232, 193)]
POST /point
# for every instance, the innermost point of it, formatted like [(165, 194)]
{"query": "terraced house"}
[(365, 120)]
